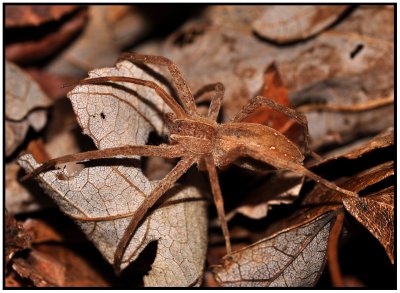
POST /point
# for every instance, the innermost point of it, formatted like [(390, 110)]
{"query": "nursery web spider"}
[(202, 141)]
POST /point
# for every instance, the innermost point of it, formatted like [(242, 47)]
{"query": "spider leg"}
[(175, 107), (164, 185), (292, 166), (218, 200), (260, 101), (182, 88), (173, 151), (216, 101)]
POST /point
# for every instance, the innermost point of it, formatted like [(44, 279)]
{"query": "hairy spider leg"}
[(218, 200), (171, 102), (216, 100), (289, 165), (183, 91), (164, 185), (165, 151)]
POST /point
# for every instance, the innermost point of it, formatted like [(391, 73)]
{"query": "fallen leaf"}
[(55, 265), (285, 24), (376, 213), (47, 41), (42, 269), (119, 25), (22, 197), (291, 258), (16, 238), (34, 15), (25, 103), (116, 116)]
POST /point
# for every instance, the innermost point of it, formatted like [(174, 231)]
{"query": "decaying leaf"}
[(24, 106), (42, 269), (25, 15), (119, 26), (284, 24), (116, 116), (16, 238), (376, 213), (291, 258), (58, 266), (46, 42)]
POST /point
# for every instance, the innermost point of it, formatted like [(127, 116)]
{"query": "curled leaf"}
[(24, 106), (284, 24)]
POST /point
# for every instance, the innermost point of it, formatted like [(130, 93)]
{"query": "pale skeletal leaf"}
[(291, 258), (117, 115)]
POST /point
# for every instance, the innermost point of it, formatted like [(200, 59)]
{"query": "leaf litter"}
[(222, 38)]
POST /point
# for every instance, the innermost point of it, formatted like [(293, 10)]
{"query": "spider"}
[(200, 140)]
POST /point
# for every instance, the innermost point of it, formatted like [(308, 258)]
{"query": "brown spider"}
[(202, 141)]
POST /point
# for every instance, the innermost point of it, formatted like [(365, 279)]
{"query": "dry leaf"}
[(22, 197), (34, 15), (24, 106), (119, 26), (124, 115), (16, 238), (376, 213), (46, 41), (59, 266), (285, 24), (42, 269), (291, 258)]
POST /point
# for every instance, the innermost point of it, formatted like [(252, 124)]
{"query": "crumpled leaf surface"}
[(292, 258), (284, 24), (114, 116), (24, 106)]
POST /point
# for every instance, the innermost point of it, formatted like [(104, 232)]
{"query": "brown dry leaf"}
[(16, 238), (24, 106), (47, 41), (34, 15), (124, 115), (59, 266), (376, 213), (42, 269), (291, 258), (285, 24), (119, 26)]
